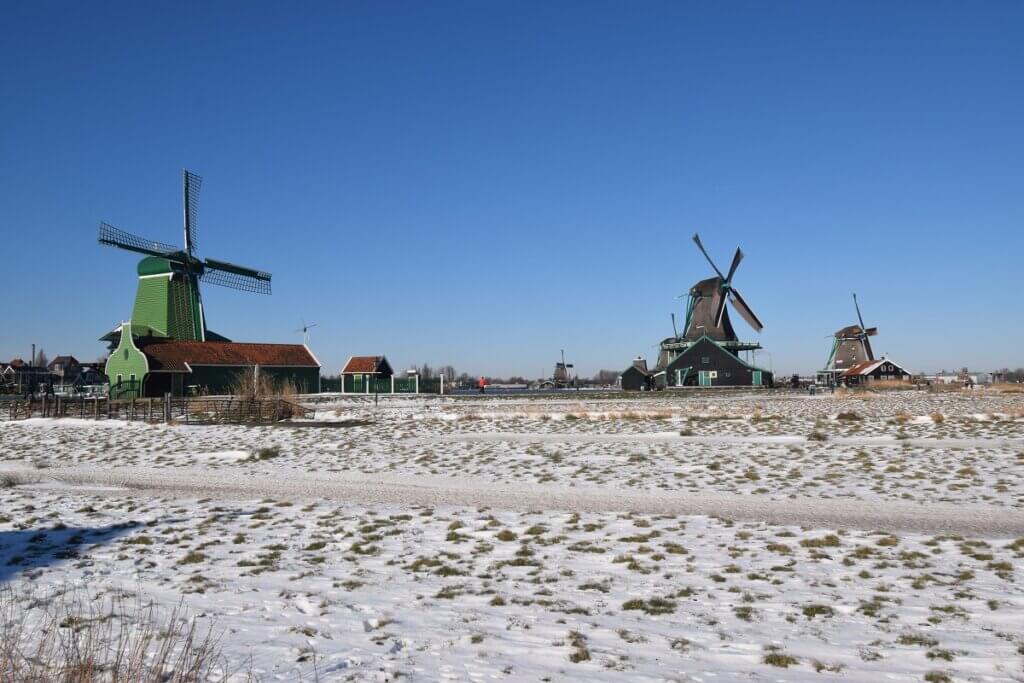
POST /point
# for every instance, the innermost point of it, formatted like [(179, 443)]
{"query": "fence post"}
[(441, 391), (95, 407), (392, 384), (167, 406), (367, 386), (417, 383)]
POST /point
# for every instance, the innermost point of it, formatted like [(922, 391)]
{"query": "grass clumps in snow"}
[(653, 606), (829, 541), (812, 611), (776, 657), (580, 651), (266, 453)]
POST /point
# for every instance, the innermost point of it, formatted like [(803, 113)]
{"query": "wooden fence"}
[(205, 410)]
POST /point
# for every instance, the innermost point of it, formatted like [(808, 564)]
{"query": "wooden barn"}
[(884, 369), (636, 377), (706, 363), (153, 366)]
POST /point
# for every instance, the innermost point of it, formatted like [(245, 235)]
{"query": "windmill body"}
[(705, 298), (168, 302)]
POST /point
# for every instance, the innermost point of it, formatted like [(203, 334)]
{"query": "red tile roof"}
[(863, 367), (362, 365), (172, 356)]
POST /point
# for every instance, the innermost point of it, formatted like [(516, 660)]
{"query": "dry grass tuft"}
[(892, 385), (247, 386), (74, 637)]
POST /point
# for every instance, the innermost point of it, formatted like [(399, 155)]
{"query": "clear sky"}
[(483, 184)]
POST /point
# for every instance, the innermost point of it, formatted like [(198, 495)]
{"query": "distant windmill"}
[(305, 331), (167, 301), (851, 345), (562, 376)]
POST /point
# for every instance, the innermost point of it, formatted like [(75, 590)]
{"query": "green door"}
[(357, 384), (704, 378), (757, 378)]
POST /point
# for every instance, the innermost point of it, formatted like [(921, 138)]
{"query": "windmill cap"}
[(156, 265)]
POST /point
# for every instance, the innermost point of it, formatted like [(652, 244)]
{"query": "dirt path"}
[(438, 491), (674, 437)]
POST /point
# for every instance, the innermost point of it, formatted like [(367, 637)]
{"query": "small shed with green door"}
[(366, 375)]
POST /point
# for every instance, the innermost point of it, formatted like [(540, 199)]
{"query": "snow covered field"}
[(667, 537)]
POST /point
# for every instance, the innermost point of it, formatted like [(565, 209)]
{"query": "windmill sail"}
[(113, 237), (229, 275), (191, 184)]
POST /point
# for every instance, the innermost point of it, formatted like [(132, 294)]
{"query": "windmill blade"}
[(113, 237), (674, 330), (696, 239), (867, 348), (735, 264), (720, 312), (190, 186), (229, 275), (744, 310), (857, 306)]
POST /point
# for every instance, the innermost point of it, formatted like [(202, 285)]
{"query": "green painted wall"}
[(126, 360), (166, 301)]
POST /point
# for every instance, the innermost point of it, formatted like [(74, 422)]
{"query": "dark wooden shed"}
[(636, 377)]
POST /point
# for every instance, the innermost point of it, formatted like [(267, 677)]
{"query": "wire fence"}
[(204, 410)]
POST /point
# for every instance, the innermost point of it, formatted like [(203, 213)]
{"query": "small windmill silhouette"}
[(305, 331)]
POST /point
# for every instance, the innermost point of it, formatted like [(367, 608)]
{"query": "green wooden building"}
[(146, 365)]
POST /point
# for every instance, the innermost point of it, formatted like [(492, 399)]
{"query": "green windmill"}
[(167, 302)]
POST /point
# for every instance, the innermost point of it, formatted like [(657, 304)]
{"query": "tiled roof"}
[(172, 356), (362, 364), (868, 366), (862, 368)]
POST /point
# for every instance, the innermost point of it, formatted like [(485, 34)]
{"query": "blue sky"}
[(483, 184)]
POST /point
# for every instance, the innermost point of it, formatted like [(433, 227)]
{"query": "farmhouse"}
[(875, 370), (153, 366), (707, 363)]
